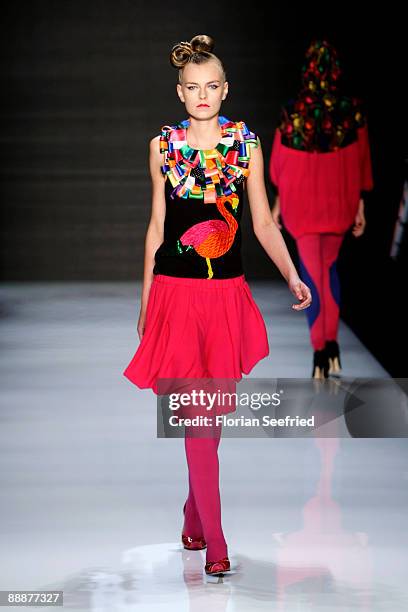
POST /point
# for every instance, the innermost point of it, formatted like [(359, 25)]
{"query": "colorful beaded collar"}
[(206, 174)]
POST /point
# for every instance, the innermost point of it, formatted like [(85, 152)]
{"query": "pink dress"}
[(201, 319)]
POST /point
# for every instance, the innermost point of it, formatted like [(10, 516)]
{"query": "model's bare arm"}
[(267, 232), (155, 229), (276, 211)]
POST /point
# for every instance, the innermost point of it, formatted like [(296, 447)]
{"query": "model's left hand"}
[(301, 291)]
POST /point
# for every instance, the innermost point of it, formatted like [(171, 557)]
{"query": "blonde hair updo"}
[(197, 51)]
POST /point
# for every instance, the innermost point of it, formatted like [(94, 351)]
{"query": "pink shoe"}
[(214, 568), (192, 543)]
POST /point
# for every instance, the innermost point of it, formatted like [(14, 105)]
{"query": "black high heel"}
[(320, 364), (333, 353)]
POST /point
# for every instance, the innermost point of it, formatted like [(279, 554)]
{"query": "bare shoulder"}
[(258, 142), (154, 140), (256, 163), (156, 157), (154, 145), (256, 150)]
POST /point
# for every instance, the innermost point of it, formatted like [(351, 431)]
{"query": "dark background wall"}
[(87, 84)]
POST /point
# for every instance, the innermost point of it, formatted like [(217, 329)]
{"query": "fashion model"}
[(198, 318), (321, 165)]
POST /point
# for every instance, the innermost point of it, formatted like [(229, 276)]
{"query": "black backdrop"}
[(86, 85)]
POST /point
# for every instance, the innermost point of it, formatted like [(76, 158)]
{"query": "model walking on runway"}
[(321, 165), (198, 318)]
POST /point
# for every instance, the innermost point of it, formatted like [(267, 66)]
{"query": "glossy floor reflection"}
[(92, 499)]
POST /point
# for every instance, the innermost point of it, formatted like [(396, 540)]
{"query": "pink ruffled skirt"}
[(198, 328)]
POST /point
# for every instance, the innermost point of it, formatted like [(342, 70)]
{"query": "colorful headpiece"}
[(320, 118)]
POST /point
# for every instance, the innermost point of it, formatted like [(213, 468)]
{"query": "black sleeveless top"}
[(204, 195)]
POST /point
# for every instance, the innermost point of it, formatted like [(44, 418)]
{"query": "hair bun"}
[(180, 54), (201, 43), (182, 51)]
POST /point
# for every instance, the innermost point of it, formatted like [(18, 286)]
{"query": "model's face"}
[(203, 89)]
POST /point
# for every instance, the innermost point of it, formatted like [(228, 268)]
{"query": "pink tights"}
[(318, 255), (203, 506)]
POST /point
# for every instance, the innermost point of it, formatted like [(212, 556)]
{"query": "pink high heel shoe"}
[(192, 543), (215, 568)]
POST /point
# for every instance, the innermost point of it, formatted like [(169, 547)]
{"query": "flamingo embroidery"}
[(213, 238)]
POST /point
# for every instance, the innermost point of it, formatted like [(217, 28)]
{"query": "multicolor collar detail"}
[(211, 173)]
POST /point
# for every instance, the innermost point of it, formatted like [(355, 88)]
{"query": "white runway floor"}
[(92, 499)]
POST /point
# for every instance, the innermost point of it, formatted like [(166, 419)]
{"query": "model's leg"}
[(202, 459), (192, 523), (311, 273), (331, 244)]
